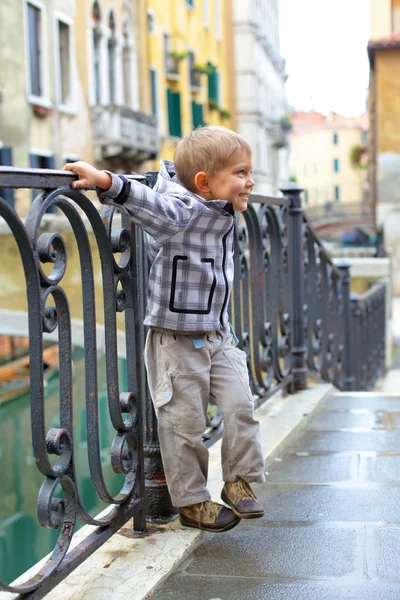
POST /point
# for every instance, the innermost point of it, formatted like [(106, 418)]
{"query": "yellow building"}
[(188, 65), (320, 158), (384, 108), (384, 56)]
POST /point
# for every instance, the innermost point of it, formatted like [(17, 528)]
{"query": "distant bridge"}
[(330, 219)]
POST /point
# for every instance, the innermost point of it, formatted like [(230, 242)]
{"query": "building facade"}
[(259, 89), (70, 86), (320, 158), (188, 62), (384, 108)]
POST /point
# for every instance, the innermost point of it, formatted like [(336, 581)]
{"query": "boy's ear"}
[(201, 182)]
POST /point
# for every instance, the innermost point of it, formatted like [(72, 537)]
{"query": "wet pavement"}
[(331, 528)]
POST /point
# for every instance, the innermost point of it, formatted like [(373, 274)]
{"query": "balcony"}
[(121, 132)]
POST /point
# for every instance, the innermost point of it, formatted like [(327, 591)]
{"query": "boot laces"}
[(209, 509), (244, 488)]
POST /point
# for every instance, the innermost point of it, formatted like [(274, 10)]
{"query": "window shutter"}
[(197, 114), (212, 83), (6, 160), (174, 113)]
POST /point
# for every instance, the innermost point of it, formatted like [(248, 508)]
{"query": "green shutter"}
[(197, 114), (174, 113), (213, 83)]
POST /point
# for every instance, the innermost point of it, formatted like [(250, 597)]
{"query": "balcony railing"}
[(119, 131), (291, 309)]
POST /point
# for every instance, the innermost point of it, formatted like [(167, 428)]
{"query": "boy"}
[(189, 223)]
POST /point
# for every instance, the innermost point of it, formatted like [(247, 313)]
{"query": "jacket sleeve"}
[(160, 215)]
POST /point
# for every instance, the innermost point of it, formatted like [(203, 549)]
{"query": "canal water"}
[(23, 541)]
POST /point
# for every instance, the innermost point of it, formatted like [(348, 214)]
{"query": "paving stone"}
[(311, 468), (343, 441), (185, 587), (276, 551), (383, 469), (330, 503), (387, 552), (346, 420), (343, 403)]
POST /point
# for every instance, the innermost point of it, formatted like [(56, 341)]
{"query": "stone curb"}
[(136, 565)]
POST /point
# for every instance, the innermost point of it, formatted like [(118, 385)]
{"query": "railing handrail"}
[(291, 309)]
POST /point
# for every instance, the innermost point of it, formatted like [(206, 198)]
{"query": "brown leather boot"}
[(208, 516), (242, 500)]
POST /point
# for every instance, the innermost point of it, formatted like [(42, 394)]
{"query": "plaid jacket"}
[(190, 244)]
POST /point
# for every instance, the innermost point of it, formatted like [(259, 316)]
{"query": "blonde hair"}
[(206, 149)]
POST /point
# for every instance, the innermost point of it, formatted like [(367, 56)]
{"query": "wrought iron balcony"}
[(292, 311), (121, 132)]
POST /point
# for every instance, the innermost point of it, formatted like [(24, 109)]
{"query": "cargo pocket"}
[(163, 392), (238, 361)]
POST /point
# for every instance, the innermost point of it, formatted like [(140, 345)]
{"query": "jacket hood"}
[(167, 172)]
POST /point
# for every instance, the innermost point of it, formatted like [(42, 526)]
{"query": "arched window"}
[(96, 16), (112, 42), (126, 66), (130, 74)]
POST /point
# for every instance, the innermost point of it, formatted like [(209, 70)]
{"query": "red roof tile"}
[(389, 41)]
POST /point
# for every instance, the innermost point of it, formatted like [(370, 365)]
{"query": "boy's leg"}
[(179, 378), (178, 388), (242, 457)]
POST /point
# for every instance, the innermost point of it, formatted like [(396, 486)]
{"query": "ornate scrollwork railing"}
[(291, 309)]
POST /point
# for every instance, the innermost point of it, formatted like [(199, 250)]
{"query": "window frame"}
[(70, 107), (43, 99)]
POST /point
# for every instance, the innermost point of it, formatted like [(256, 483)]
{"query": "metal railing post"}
[(355, 325), (348, 367), (296, 283), (158, 499)]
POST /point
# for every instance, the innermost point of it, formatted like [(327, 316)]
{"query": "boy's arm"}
[(161, 215)]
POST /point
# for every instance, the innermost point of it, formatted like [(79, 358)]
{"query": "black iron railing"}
[(291, 309)]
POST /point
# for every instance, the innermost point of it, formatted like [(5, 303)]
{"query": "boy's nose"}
[(250, 182)]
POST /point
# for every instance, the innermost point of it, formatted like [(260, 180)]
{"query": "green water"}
[(23, 541)]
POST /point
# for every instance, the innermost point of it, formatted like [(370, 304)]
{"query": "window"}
[(337, 193), (126, 68), (335, 139), (111, 46), (64, 62), (35, 50), (168, 62), (151, 21), (206, 12), (96, 52), (197, 114), (6, 161), (365, 137), (336, 165), (217, 9), (306, 196), (174, 113), (194, 76), (153, 83)]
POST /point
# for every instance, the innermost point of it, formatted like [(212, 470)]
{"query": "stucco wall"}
[(380, 18), (312, 159)]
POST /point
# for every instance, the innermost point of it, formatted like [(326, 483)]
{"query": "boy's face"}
[(234, 182)]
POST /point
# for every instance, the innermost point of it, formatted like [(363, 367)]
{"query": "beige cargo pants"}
[(181, 379)]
